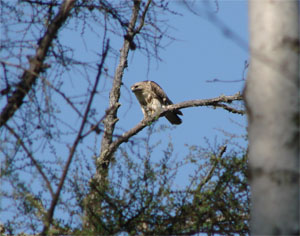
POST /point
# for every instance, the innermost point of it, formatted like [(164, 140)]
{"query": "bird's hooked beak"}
[(135, 88)]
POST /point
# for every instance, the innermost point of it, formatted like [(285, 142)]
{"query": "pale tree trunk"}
[(272, 99)]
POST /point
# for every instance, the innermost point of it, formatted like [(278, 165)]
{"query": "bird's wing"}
[(160, 93)]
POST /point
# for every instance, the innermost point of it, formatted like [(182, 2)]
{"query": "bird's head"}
[(137, 87)]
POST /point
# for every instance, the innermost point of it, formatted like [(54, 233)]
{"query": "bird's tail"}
[(173, 117)]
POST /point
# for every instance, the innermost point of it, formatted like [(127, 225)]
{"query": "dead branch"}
[(29, 154), (111, 117), (36, 63), (75, 144), (215, 102)]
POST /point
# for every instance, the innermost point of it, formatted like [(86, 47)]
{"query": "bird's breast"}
[(140, 97)]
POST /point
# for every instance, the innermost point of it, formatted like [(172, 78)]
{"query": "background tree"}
[(66, 167), (272, 97)]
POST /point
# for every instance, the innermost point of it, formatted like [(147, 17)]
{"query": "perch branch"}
[(148, 120)]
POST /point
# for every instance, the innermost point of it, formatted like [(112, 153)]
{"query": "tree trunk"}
[(272, 100)]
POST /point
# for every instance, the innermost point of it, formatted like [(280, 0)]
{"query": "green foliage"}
[(142, 196)]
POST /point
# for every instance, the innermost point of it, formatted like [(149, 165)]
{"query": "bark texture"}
[(272, 100), (114, 96)]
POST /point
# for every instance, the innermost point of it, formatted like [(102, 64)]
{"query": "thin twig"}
[(29, 154), (142, 21), (210, 173), (74, 146), (29, 77), (230, 109)]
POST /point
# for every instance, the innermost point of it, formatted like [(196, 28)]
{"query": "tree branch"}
[(211, 171), (142, 21), (111, 118), (216, 102), (74, 146), (29, 154), (29, 76)]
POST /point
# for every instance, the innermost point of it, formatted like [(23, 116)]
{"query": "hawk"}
[(152, 99)]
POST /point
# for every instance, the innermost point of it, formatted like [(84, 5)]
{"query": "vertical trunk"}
[(111, 117), (272, 99)]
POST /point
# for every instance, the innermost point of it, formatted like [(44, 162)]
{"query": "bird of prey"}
[(152, 99)]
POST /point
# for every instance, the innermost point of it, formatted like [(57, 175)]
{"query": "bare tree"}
[(51, 134), (272, 97)]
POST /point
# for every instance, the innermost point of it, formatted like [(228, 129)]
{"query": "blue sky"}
[(201, 53)]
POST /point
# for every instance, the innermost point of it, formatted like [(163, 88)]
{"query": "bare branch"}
[(29, 154), (143, 18), (111, 118), (210, 173), (231, 109), (205, 102), (216, 102), (74, 146), (29, 76)]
